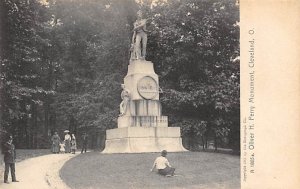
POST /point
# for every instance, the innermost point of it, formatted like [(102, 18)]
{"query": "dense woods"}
[(62, 63)]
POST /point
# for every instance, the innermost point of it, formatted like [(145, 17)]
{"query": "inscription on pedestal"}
[(155, 121), (142, 121), (147, 87)]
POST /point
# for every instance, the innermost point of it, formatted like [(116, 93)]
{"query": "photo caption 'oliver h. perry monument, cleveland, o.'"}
[(141, 126)]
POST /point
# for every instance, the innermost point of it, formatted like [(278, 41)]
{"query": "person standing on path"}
[(9, 160), (162, 165), (73, 144), (84, 141), (67, 142), (55, 143)]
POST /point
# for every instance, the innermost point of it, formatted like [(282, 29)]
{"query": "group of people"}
[(161, 163), (68, 145)]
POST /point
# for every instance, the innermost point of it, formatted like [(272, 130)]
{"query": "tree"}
[(195, 48), (94, 38), (22, 67), (62, 64)]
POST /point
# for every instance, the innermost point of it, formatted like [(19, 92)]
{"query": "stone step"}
[(143, 139), (142, 145), (141, 132)]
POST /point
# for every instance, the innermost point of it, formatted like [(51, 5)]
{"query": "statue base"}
[(143, 139), (142, 128)]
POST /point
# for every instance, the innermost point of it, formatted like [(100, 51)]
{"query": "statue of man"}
[(125, 95), (139, 36)]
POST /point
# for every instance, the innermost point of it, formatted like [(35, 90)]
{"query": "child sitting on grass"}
[(162, 165)]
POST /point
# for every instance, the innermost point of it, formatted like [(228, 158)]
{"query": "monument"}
[(141, 125)]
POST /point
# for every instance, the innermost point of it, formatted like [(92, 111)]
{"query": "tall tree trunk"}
[(52, 123), (34, 126), (216, 142), (206, 140), (27, 134), (49, 86), (203, 141), (72, 124), (46, 111)]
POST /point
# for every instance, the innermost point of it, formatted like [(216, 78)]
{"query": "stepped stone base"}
[(143, 139), (142, 128)]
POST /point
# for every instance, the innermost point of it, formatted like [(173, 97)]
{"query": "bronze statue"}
[(138, 51)]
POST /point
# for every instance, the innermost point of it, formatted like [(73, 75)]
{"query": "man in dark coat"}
[(84, 141), (9, 160)]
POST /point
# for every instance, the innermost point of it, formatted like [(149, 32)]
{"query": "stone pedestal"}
[(142, 128), (143, 139)]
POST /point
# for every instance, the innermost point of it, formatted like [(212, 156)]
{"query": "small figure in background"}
[(73, 144), (84, 141), (55, 143), (62, 149), (162, 165)]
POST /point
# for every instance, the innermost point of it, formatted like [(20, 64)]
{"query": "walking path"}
[(39, 173)]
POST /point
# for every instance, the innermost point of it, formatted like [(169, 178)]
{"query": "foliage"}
[(22, 66), (94, 38), (195, 45), (62, 64)]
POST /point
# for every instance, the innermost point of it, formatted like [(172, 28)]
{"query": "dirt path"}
[(39, 173)]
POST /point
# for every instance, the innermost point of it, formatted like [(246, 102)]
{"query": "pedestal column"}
[(142, 127)]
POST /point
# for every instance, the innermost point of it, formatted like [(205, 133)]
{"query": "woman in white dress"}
[(73, 144), (68, 142)]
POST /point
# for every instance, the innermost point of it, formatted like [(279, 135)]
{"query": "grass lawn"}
[(197, 170)]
